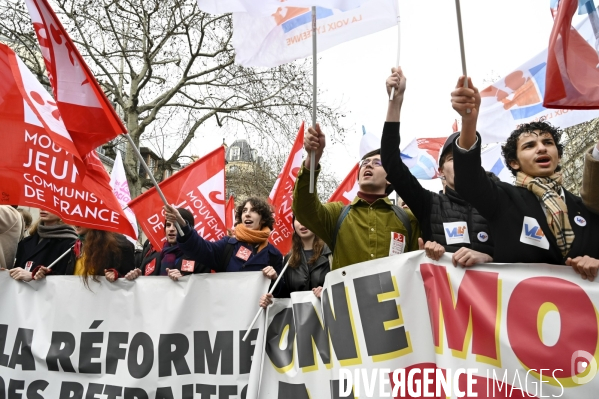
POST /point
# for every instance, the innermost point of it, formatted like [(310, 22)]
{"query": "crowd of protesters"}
[(495, 217)]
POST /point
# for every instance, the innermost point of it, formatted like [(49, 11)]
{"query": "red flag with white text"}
[(87, 114), (230, 213), (281, 196), (199, 188), (348, 189), (37, 167), (572, 78)]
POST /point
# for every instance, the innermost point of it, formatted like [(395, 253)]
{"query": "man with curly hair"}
[(247, 250), (536, 220)]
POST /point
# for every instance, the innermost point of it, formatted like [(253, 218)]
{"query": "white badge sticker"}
[(456, 233), (28, 266), (532, 233), (482, 236), (579, 220), (398, 244)]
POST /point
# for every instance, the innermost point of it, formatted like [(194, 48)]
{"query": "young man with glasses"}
[(448, 222), (370, 227)]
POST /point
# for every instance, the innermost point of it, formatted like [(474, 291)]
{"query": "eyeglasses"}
[(375, 162)]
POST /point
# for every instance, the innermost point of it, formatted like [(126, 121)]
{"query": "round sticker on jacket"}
[(580, 221), (482, 236)]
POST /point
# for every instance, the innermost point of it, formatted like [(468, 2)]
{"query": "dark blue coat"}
[(211, 254)]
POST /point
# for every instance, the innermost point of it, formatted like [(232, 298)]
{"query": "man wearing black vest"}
[(448, 222)]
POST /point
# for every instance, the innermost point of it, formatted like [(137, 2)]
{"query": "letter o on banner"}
[(578, 329), (280, 338)]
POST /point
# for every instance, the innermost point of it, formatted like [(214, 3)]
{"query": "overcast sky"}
[(499, 37)]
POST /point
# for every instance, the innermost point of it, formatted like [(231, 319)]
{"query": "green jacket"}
[(365, 234)]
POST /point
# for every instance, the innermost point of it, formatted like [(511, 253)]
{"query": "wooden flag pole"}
[(261, 309), (462, 51), (313, 153), (145, 166), (398, 44)]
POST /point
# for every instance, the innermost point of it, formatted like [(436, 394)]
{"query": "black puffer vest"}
[(449, 207)]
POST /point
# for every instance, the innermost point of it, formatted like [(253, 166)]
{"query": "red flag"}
[(572, 79), (199, 188), (230, 213), (454, 127), (348, 189), (88, 115), (281, 196), (37, 167)]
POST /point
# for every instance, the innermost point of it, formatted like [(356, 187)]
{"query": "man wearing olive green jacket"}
[(372, 227)]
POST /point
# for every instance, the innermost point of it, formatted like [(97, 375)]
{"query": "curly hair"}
[(510, 149), (261, 207)]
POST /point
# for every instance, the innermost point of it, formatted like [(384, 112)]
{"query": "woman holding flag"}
[(49, 238), (247, 250)]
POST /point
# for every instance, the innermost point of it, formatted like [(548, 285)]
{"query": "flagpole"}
[(145, 166), (458, 12), (60, 257), (312, 153), (261, 309), (398, 44)]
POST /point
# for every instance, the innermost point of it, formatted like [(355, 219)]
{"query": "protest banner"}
[(428, 329), (148, 338), (199, 188)]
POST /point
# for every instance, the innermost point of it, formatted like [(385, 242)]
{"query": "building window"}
[(235, 152)]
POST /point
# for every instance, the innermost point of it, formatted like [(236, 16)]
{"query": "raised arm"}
[(320, 219), (471, 181), (192, 244), (406, 185)]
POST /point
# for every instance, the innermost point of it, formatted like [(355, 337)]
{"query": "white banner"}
[(518, 98), (286, 35), (495, 331), (148, 338), (266, 7)]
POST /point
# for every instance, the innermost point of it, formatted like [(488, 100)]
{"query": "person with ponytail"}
[(48, 239), (247, 250), (309, 263), (98, 253)]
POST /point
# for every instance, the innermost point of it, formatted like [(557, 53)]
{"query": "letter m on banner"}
[(464, 318)]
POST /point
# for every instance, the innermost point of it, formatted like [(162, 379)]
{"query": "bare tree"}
[(169, 68)]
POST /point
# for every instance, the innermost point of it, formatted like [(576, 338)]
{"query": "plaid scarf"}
[(548, 189)]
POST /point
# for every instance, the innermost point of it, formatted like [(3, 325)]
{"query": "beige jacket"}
[(590, 182), (11, 229)]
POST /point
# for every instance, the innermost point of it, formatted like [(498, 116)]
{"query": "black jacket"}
[(44, 253), (505, 207), (303, 277), (432, 209), (150, 263)]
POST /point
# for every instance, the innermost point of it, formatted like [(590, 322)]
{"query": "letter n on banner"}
[(473, 315)]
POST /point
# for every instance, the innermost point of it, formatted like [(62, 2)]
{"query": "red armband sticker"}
[(188, 266), (28, 266), (243, 253), (150, 267)]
